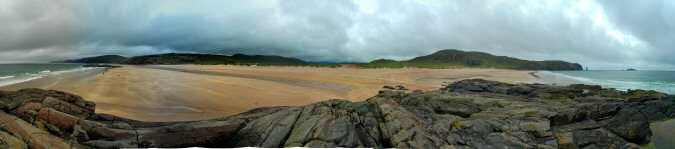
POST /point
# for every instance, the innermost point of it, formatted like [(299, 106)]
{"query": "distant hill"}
[(330, 63), (269, 59), (455, 58), (96, 59), (183, 58), (442, 59)]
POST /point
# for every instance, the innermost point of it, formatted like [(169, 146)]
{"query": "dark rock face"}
[(465, 114), (388, 87)]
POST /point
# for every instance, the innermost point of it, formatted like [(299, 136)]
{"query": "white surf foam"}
[(563, 79), (9, 80), (6, 82), (6, 77)]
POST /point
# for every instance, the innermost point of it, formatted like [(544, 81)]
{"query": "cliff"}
[(465, 114), (456, 58)]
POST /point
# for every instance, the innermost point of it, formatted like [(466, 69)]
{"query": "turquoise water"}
[(662, 81), (17, 73)]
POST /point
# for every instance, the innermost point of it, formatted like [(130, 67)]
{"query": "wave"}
[(79, 69), (15, 81), (9, 80), (564, 79), (6, 77)]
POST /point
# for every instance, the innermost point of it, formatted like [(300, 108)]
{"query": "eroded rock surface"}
[(465, 114)]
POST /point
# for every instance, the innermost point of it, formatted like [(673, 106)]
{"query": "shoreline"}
[(621, 80), (199, 92), (491, 115), (51, 80)]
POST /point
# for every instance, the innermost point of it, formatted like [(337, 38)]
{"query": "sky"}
[(608, 34)]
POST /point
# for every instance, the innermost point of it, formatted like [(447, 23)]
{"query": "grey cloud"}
[(652, 21), (27, 26), (600, 34)]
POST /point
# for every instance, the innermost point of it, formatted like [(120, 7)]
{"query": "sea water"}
[(662, 81), (17, 73)]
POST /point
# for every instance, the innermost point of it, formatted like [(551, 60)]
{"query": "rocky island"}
[(465, 114)]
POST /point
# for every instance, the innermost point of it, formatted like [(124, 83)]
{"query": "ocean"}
[(17, 73), (662, 81)]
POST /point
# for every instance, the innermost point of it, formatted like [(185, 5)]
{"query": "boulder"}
[(388, 87), (400, 87)]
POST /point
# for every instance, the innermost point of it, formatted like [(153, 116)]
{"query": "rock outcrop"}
[(465, 114)]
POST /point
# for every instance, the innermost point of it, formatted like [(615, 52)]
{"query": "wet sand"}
[(199, 92)]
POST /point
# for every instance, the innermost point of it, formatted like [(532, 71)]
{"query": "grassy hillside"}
[(269, 59), (455, 58), (210, 59), (97, 59)]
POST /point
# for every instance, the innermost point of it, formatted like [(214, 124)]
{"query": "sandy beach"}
[(199, 92)]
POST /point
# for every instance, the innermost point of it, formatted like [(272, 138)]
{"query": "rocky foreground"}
[(465, 114)]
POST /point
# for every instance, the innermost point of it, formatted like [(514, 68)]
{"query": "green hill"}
[(96, 59), (455, 58), (269, 59), (208, 59)]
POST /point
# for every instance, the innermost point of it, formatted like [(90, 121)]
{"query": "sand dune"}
[(196, 92)]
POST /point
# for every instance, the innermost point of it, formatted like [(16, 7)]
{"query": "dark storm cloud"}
[(599, 34)]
